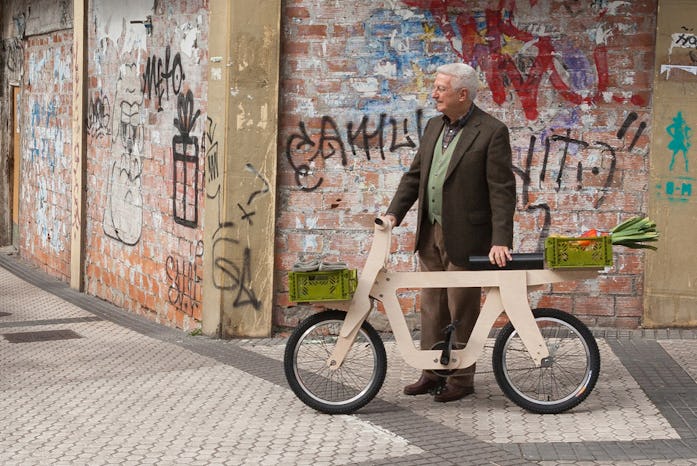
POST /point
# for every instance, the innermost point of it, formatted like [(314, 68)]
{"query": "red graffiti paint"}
[(483, 37)]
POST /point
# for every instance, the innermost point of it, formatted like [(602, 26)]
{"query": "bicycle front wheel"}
[(563, 380), (342, 390)]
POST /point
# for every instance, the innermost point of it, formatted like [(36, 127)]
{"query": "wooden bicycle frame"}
[(506, 290)]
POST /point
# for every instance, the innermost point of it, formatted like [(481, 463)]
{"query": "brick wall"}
[(145, 187), (46, 137), (571, 79)]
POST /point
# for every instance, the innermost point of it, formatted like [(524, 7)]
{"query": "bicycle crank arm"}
[(449, 334)]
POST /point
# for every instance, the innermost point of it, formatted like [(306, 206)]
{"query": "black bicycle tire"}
[(313, 400), (574, 398)]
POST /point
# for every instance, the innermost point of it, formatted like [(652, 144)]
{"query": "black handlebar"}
[(521, 261)]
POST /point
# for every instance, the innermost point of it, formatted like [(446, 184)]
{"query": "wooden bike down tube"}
[(360, 305)]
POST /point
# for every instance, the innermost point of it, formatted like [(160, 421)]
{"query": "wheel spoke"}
[(340, 390), (572, 371)]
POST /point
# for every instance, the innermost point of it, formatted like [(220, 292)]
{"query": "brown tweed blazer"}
[(479, 191)]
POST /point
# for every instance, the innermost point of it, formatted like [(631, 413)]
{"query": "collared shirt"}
[(454, 127)]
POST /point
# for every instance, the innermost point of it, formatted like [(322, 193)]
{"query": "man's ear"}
[(463, 95)]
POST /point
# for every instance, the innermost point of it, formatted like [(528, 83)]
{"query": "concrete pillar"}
[(241, 154), (670, 296), (79, 145)]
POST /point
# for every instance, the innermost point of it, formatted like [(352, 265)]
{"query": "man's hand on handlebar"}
[(499, 254), (386, 221)]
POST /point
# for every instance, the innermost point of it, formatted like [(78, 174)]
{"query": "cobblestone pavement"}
[(83, 382)]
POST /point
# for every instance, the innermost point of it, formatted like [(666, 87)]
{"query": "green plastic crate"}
[(570, 252), (329, 285)]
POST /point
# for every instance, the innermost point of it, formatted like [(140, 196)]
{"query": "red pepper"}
[(592, 233)]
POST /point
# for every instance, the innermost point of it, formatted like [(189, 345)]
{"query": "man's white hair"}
[(464, 77)]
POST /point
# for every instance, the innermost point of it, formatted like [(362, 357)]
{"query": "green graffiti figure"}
[(680, 133)]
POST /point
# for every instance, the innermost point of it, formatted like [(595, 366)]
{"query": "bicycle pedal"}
[(437, 390)]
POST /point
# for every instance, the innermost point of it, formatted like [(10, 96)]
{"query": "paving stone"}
[(132, 392)]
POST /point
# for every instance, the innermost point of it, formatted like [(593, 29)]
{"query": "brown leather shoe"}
[(423, 385), (452, 393)]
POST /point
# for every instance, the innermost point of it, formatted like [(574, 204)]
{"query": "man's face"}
[(449, 101)]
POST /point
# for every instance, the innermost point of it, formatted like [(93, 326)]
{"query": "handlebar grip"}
[(520, 261), (383, 223)]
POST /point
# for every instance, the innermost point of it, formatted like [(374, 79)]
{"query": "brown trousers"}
[(442, 306)]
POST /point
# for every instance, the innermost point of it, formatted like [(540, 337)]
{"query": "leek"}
[(635, 233)]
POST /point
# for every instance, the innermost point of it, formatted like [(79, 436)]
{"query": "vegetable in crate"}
[(592, 233), (635, 233)]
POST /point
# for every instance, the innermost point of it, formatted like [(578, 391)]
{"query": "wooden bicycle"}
[(544, 360)]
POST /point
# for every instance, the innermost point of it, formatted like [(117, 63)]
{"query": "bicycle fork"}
[(357, 312), (342, 347)]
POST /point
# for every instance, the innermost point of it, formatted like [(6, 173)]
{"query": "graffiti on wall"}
[(49, 228), (680, 140), (13, 54), (185, 278), (43, 69), (676, 186), (159, 76), (228, 274), (210, 148), (98, 115), (593, 163), (123, 213), (301, 150), (515, 59), (687, 39), (185, 163), (263, 189), (45, 140), (125, 122), (682, 53), (567, 162)]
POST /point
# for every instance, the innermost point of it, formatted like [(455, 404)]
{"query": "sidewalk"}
[(83, 382)]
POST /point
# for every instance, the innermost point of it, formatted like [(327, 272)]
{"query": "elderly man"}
[(463, 180)]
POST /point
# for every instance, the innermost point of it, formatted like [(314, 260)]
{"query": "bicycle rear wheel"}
[(345, 389), (564, 380)]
